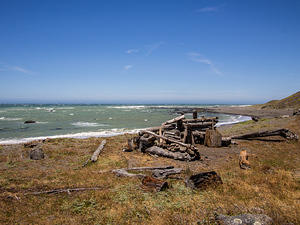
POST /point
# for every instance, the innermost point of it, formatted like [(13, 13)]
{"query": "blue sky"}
[(201, 51)]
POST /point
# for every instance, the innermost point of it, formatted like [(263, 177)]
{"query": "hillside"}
[(292, 101)]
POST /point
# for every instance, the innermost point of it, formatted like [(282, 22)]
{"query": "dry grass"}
[(270, 187)]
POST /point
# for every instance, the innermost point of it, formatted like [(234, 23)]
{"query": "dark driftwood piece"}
[(154, 184), (203, 180), (68, 190), (154, 150), (280, 132), (95, 155)]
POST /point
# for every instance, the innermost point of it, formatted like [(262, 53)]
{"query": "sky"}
[(166, 51)]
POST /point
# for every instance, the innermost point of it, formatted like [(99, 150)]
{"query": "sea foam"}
[(88, 124), (82, 135)]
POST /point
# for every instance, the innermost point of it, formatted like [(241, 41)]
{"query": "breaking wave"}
[(88, 124), (10, 119), (83, 135)]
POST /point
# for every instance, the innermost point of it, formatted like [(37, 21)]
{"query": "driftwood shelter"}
[(177, 138)]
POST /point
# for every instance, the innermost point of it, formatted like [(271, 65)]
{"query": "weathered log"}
[(195, 114), (154, 150), (154, 184), (188, 137), (165, 173), (280, 132), (179, 125), (68, 190), (173, 120), (124, 173), (95, 155), (197, 126), (204, 180), (202, 119), (167, 139), (213, 138)]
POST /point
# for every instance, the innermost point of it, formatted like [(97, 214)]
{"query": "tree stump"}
[(203, 180), (213, 138), (154, 184)]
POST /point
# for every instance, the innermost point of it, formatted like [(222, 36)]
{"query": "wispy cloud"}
[(5, 67), (128, 67), (197, 57), (151, 48), (132, 51), (208, 9)]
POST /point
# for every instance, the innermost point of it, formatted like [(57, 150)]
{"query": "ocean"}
[(83, 121)]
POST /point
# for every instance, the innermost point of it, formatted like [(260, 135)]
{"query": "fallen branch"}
[(68, 190), (96, 154), (124, 173), (161, 171)]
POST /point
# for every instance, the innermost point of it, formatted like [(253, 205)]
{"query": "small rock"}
[(244, 219), (37, 154), (30, 121)]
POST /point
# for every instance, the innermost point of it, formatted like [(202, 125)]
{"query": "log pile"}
[(177, 138)]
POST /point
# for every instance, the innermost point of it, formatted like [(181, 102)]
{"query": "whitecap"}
[(71, 114), (88, 124), (10, 119), (127, 107)]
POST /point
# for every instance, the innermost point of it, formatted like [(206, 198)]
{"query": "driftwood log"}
[(95, 155), (163, 170), (173, 120), (203, 180), (167, 139), (165, 173), (154, 184), (280, 132), (67, 190), (154, 150)]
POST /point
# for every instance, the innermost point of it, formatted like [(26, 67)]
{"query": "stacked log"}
[(175, 138)]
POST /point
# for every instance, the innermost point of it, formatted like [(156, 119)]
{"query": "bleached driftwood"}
[(154, 150), (68, 190), (167, 139), (95, 155), (173, 120)]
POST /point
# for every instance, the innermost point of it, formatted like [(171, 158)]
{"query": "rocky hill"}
[(292, 101)]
